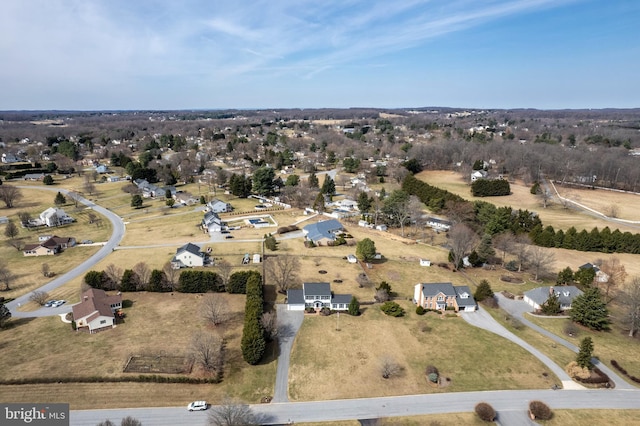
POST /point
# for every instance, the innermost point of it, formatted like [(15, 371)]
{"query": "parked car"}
[(50, 303), (86, 242), (228, 236), (58, 303), (197, 406)]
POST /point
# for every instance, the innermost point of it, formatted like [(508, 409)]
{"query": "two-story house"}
[(316, 296), (96, 311), (442, 296)]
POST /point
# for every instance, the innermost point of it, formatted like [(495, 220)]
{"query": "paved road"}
[(518, 308), (289, 323), (353, 409), (484, 320), (109, 246)]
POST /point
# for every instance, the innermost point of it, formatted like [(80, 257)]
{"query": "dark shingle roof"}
[(341, 298), (324, 229), (316, 289), (295, 297)]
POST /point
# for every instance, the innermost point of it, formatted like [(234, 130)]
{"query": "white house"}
[(317, 296), (187, 256), (478, 174), (212, 223), (218, 206), (55, 217), (438, 224), (444, 296), (96, 310)]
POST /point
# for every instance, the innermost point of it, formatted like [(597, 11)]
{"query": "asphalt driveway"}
[(289, 323)]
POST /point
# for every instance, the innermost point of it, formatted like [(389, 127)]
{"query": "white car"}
[(197, 406), (58, 303)]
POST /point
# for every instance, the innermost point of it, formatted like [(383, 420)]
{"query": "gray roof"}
[(565, 293), (191, 248), (589, 266), (431, 289), (324, 229), (316, 289), (469, 300), (341, 298), (295, 297)]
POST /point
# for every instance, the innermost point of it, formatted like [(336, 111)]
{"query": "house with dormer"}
[(565, 294), (444, 296), (316, 296), (212, 223)]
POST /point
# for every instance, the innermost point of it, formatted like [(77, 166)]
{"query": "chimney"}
[(86, 298)]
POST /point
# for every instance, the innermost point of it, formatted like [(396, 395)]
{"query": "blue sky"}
[(142, 54)]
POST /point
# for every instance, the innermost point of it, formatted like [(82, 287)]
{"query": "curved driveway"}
[(109, 246), (518, 308), (484, 320)]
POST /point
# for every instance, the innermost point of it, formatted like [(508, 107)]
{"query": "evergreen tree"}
[(551, 306), (565, 276), (364, 202), (354, 307), (483, 291), (589, 310), (136, 201), (48, 180), (157, 280), (60, 199), (313, 180), (328, 186), (366, 249), (128, 282), (318, 204), (585, 353)]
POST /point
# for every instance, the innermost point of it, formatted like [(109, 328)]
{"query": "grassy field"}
[(152, 317), (555, 214), (413, 342), (614, 344)]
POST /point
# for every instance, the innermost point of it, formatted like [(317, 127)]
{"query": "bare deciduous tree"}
[(631, 302), (612, 211), (224, 270), (88, 186), (130, 421), (214, 309), (45, 269), (206, 350), (615, 278), (9, 194), (171, 274), (114, 274), (270, 324), (389, 367), (233, 414), (540, 259), (520, 249), (11, 230), (142, 273), (382, 295), (545, 196), (283, 270), (40, 297), (504, 242), (6, 276), (462, 239), (75, 197)]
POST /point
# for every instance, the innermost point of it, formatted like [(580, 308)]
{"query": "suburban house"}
[(478, 174), (601, 277), (150, 190), (55, 217), (184, 198), (187, 256), (212, 223), (96, 311), (48, 246), (565, 294), (34, 176), (438, 224), (102, 168), (442, 296), (317, 296), (218, 206), (323, 232)]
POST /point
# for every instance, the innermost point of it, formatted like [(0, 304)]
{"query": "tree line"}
[(486, 218)]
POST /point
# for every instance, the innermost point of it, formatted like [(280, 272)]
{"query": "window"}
[(334, 306), (342, 306), (326, 297), (440, 298), (317, 297)]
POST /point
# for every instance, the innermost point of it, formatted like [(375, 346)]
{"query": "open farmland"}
[(521, 198)]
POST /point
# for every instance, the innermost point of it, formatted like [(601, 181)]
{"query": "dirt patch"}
[(512, 280), (158, 364)]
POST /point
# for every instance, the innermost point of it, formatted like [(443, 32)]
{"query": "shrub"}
[(577, 372), (433, 378), (483, 291), (354, 307), (540, 410), (485, 412), (420, 310), (392, 309), (238, 281), (511, 265)]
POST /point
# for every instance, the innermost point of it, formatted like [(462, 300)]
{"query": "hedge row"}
[(624, 372), (253, 342), (238, 281), (490, 187), (98, 379)]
